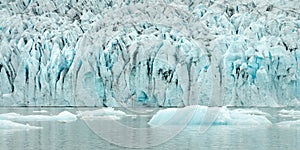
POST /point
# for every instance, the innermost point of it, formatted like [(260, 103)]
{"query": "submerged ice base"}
[(156, 53)]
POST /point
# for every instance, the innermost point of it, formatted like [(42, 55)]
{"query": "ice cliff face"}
[(158, 53)]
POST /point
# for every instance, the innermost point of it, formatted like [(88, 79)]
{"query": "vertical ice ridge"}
[(148, 52)]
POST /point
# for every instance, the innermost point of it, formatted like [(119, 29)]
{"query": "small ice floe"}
[(196, 115), (288, 124), (9, 125), (103, 113), (40, 111), (289, 113), (64, 116)]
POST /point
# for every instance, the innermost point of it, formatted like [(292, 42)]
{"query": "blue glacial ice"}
[(156, 53)]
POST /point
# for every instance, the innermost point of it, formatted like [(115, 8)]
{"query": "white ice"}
[(103, 113), (196, 115), (289, 113), (9, 125), (251, 112), (64, 116), (40, 111)]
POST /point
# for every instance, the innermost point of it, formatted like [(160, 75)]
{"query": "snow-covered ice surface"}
[(103, 113), (64, 116), (151, 52), (173, 116), (250, 112), (289, 113)]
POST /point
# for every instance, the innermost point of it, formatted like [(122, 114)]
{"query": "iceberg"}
[(40, 111), (158, 53), (289, 113), (9, 125), (65, 117), (104, 113), (247, 117)]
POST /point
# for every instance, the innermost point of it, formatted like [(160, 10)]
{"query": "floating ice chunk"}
[(162, 116), (287, 124), (104, 113), (40, 111), (64, 116), (289, 113), (6, 124), (174, 116), (242, 118)]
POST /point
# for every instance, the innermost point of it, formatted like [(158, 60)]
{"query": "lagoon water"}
[(77, 134)]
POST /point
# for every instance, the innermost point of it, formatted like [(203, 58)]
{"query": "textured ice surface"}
[(251, 112), (104, 113), (9, 125), (64, 116), (289, 113), (156, 52), (173, 116)]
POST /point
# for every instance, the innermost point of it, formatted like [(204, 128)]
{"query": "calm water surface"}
[(77, 135)]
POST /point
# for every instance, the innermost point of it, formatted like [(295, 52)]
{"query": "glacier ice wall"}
[(156, 52)]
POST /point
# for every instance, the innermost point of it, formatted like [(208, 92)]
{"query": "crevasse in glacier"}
[(157, 53)]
